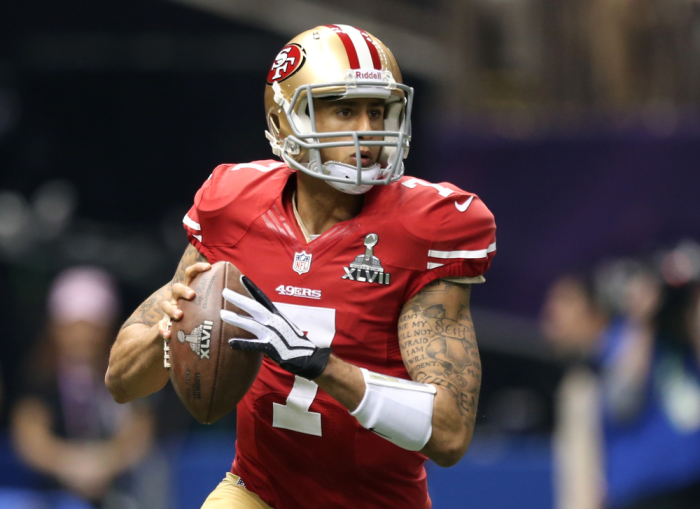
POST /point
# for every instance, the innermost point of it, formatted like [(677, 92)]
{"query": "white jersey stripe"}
[(260, 167), (189, 222), (432, 265), (198, 237), (363, 54), (480, 253)]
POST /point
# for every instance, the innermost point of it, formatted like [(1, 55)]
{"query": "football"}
[(208, 376)]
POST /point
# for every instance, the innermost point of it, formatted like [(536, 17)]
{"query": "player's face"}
[(362, 114)]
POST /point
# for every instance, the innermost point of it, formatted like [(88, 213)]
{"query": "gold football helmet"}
[(337, 62)]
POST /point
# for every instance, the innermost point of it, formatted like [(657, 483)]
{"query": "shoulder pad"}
[(456, 225), (231, 199)]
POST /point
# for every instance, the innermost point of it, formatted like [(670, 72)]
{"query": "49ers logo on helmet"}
[(287, 62)]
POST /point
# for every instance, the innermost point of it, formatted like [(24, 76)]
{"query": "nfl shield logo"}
[(302, 262)]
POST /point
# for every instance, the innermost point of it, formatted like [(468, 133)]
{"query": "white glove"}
[(277, 337)]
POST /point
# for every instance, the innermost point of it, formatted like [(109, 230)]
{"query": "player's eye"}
[(344, 112), (376, 114)]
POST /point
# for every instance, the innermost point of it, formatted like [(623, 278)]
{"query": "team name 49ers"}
[(295, 291)]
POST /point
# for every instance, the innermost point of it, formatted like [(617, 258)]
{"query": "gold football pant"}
[(231, 495)]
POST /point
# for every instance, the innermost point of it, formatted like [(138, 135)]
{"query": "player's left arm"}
[(433, 414), (438, 347)]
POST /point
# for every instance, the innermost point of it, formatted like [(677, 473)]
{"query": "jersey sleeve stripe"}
[(432, 265), (260, 167), (192, 224), (479, 253), (198, 237)]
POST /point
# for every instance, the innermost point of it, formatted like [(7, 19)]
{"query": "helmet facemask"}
[(301, 148)]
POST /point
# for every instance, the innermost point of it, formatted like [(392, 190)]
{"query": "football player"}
[(359, 280)]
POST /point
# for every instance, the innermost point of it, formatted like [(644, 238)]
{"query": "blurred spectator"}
[(627, 346), (652, 407), (66, 426), (573, 321), (629, 437), (572, 318)]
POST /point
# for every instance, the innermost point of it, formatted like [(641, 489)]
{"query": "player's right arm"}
[(136, 361)]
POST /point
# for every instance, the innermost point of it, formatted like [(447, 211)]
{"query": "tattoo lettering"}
[(465, 398), (438, 343)]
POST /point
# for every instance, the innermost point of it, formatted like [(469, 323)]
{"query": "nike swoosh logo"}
[(464, 206)]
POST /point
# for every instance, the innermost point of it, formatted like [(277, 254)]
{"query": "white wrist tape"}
[(399, 410)]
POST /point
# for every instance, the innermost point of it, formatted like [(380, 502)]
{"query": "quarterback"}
[(359, 280)]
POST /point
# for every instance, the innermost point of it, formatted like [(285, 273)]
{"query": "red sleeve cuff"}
[(466, 268)]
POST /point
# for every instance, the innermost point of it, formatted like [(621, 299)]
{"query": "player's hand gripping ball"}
[(210, 378), (275, 335)]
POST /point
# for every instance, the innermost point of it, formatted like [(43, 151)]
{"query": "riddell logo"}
[(368, 75)]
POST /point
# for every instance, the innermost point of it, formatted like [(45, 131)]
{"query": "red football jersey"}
[(296, 446)]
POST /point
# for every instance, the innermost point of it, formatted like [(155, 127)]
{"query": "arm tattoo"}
[(190, 257), (438, 344), (149, 312)]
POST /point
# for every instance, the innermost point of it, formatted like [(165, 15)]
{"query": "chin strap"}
[(276, 149)]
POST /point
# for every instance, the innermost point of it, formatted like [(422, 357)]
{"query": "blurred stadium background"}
[(577, 122)]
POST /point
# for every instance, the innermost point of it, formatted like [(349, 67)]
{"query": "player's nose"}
[(364, 122)]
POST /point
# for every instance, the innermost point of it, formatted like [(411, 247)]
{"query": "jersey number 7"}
[(319, 325)]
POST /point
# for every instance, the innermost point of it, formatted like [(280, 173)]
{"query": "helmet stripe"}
[(349, 46), (372, 49), (361, 46)]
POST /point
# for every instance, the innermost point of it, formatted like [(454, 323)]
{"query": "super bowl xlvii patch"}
[(367, 268), (302, 262), (199, 339)]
